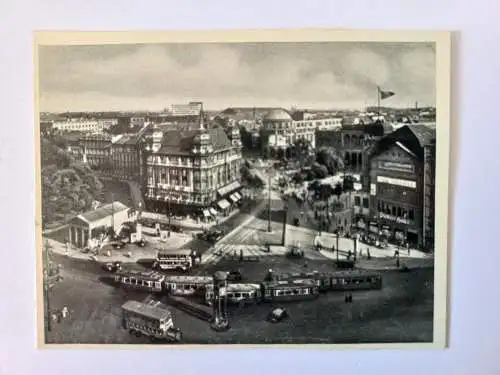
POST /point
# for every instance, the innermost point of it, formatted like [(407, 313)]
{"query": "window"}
[(237, 295), (366, 202), (357, 201), (412, 214)]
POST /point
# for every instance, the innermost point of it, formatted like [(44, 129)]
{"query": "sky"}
[(340, 75)]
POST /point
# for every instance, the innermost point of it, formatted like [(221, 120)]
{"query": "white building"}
[(84, 125), (110, 215)]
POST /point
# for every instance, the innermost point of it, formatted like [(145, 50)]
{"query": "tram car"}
[(337, 280), (237, 294), (187, 285), (148, 281), (289, 290)]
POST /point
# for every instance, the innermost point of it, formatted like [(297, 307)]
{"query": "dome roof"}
[(277, 115)]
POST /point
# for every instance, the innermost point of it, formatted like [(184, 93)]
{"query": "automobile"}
[(295, 252), (345, 264), (112, 266), (141, 243), (296, 222), (277, 315), (117, 244), (211, 235), (234, 276)]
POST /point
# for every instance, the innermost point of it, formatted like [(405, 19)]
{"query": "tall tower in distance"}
[(220, 320)]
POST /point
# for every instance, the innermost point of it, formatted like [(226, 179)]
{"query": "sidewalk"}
[(328, 240), (383, 262), (189, 223), (175, 242)]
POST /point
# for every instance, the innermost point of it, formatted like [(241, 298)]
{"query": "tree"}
[(319, 170), (301, 150), (51, 276), (298, 178), (246, 138), (337, 190), (328, 157)]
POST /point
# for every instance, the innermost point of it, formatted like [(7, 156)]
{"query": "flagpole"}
[(378, 103)]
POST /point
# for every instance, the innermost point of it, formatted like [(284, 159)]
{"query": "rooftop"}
[(180, 142), (102, 212), (152, 309), (278, 115)]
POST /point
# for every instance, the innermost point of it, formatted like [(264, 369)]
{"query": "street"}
[(405, 300)]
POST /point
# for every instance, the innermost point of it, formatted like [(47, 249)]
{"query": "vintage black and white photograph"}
[(253, 190)]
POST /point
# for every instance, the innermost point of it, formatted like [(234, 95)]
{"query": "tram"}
[(240, 294), (186, 285), (149, 281), (289, 290), (337, 280)]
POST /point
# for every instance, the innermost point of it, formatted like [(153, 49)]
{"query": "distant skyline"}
[(340, 75)]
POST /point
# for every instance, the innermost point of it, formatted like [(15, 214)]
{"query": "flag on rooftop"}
[(385, 94)]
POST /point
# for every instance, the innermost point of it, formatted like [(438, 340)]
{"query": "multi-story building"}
[(194, 171), (402, 174), (280, 132), (356, 138), (84, 125), (96, 151), (125, 157)]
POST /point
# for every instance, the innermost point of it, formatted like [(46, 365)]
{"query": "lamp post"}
[(337, 241), (269, 204), (285, 217)]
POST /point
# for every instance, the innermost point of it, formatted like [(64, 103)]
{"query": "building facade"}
[(193, 172), (356, 139), (84, 125), (97, 152), (125, 157), (81, 228), (401, 177), (280, 132)]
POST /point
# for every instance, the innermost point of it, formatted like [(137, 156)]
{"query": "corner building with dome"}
[(280, 132)]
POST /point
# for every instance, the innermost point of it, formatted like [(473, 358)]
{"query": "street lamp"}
[(337, 241), (269, 204)]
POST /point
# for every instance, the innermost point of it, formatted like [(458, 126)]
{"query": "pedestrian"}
[(397, 262), (368, 255), (408, 247), (64, 312)]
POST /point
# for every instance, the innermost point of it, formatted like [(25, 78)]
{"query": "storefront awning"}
[(238, 195), (229, 188), (223, 204), (213, 211), (206, 213), (234, 198)]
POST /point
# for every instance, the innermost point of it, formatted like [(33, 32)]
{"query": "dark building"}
[(401, 180), (356, 138)]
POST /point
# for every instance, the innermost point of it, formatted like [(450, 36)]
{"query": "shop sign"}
[(399, 220), (396, 167)]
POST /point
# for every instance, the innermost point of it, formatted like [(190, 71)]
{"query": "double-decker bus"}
[(151, 319), (289, 290), (240, 294), (149, 281), (187, 285), (180, 260)]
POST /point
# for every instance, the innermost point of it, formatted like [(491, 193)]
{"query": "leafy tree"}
[(330, 159), (319, 170), (246, 138), (337, 190)]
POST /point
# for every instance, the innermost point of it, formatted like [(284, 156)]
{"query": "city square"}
[(237, 224)]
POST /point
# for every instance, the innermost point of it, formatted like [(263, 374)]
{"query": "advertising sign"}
[(396, 167), (399, 220)]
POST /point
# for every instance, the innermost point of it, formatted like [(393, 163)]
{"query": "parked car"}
[(234, 276), (113, 266), (295, 252), (277, 315)]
